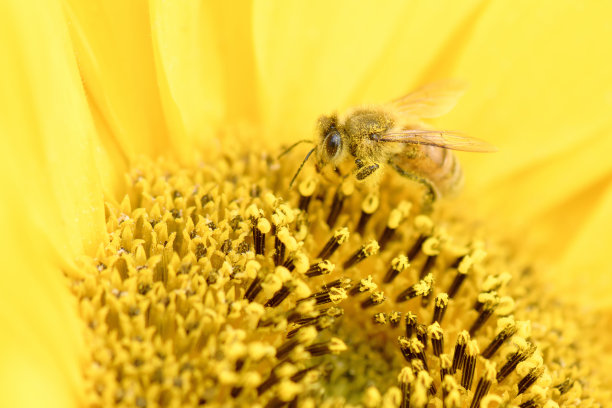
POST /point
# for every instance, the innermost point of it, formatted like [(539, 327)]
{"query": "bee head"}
[(331, 144)]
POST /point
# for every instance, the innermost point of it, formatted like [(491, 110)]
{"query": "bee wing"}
[(439, 138), (431, 100)]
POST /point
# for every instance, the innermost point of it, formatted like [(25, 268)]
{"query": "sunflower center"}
[(219, 284)]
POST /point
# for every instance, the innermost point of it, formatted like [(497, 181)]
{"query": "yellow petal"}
[(540, 84), (205, 51), (332, 55), (51, 208), (584, 269), (119, 68)]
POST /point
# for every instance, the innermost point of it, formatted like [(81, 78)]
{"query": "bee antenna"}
[(301, 165), (287, 150)]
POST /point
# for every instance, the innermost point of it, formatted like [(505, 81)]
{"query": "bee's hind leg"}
[(364, 171), (431, 194)]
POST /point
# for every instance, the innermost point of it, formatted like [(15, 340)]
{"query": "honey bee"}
[(394, 134)]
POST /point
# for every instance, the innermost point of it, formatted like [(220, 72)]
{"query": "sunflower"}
[(93, 92)]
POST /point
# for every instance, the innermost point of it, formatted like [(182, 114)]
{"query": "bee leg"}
[(364, 171), (431, 194)]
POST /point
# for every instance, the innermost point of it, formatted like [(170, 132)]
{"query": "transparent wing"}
[(431, 100), (440, 138)]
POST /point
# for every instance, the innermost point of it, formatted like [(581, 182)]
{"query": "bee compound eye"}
[(332, 143)]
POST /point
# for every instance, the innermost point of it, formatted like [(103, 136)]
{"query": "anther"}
[(306, 190), (424, 380), (380, 318), (343, 191), (459, 355), (368, 206), (499, 339), (440, 305), (422, 288), (529, 379), (364, 285), (416, 247), (451, 392), (395, 318), (254, 289), (421, 335), (305, 336), (484, 384), (320, 268), (279, 296), (406, 378), (514, 359), (436, 334), (398, 265), (332, 346), (375, 299), (456, 284), (469, 365), (445, 366), (371, 248), (565, 386), (411, 324), (489, 303), (340, 236), (261, 227), (412, 349), (279, 251)]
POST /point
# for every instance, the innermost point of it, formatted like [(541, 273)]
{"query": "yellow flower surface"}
[(89, 87)]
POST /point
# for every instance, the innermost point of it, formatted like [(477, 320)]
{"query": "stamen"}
[(368, 206), (398, 265), (507, 332), (332, 346), (279, 251), (489, 302), (362, 253), (374, 300), (395, 318), (365, 285), (424, 380), (484, 384), (261, 227), (281, 294), (469, 364), (531, 403), (451, 393), (565, 386), (406, 379), (395, 218), (306, 190), (530, 379), (343, 191), (340, 236), (456, 284), (440, 305), (305, 336), (421, 335), (416, 247), (333, 295), (459, 355), (446, 365), (411, 349), (514, 359), (423, 287), (254, 289), (379, 318), (411, 324), (320, 268), (437, 338)]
